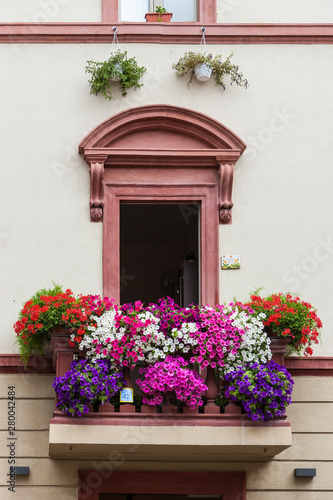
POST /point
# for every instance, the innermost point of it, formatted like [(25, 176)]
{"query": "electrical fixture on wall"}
[(305, 472), (21, 471)]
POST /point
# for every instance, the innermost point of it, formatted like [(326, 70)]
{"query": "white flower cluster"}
[(255, 345), (150, 343), (181, 341), (106, 331)]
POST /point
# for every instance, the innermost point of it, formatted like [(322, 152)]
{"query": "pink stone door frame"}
[(167, 154), (162, 194)]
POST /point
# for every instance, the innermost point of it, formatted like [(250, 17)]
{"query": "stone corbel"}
[(226, 174), (96, 170)]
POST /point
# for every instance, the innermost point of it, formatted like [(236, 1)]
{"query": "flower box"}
[(156, 17)]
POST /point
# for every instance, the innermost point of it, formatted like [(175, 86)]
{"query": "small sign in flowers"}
[(126, 395)]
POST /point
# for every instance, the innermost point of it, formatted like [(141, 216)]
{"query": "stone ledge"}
[(175, 441)]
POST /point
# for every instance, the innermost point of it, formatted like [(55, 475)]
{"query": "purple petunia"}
[(85, 383), (264, 390)]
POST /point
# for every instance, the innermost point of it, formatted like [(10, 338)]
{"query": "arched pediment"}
[(162, 137), (161, 127)]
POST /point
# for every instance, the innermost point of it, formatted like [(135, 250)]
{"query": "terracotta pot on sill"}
[(155, 17), (278, 346), (58, 331)]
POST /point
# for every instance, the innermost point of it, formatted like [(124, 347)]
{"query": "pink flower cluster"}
[(216, 338), (122, 335), (172, 375)]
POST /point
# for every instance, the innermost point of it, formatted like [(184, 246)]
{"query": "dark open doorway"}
[(159, 252)]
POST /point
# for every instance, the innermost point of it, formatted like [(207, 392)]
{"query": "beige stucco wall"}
[(50, 11), (282, 188), (269, 11), (310, 417), (228, 11)]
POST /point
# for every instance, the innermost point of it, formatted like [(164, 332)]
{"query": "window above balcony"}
[(186, 11)]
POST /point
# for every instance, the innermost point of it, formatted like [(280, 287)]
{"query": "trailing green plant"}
[(220, 68), (103, 74)]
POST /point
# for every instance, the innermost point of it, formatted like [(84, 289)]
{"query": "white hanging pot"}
[(118, 71), (203, 72)]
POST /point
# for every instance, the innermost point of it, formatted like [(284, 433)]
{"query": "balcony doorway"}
[(159, 252), (172, 485)]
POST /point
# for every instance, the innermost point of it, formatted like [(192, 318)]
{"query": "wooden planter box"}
[(155, 17)]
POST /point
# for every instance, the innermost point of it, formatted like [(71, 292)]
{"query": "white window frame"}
[(156, 3)]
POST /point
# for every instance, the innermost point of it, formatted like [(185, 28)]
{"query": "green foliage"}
[(160, 10), (220, 68), (221, 401), (103, 74)]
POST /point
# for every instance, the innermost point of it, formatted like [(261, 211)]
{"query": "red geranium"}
[(289, 316), (54, 307)]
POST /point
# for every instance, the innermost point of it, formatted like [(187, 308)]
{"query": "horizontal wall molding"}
[(176, 33), (315, 367), (37, 364)]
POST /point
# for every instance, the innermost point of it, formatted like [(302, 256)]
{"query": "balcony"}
[(145, 434)]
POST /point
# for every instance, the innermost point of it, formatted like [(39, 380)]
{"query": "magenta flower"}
[(172, 374)]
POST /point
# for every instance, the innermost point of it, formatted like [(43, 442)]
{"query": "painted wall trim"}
[(314, 367), (176, 33), (37, 364)]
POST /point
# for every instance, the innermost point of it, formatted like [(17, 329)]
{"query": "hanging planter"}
[(118, 68), (159, 16), (194, 62), (203, 72), (118, 71), (203, 65)]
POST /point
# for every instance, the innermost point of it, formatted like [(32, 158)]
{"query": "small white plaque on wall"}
[(230, 261)]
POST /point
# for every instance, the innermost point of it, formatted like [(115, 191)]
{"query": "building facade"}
[(245, 172)]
